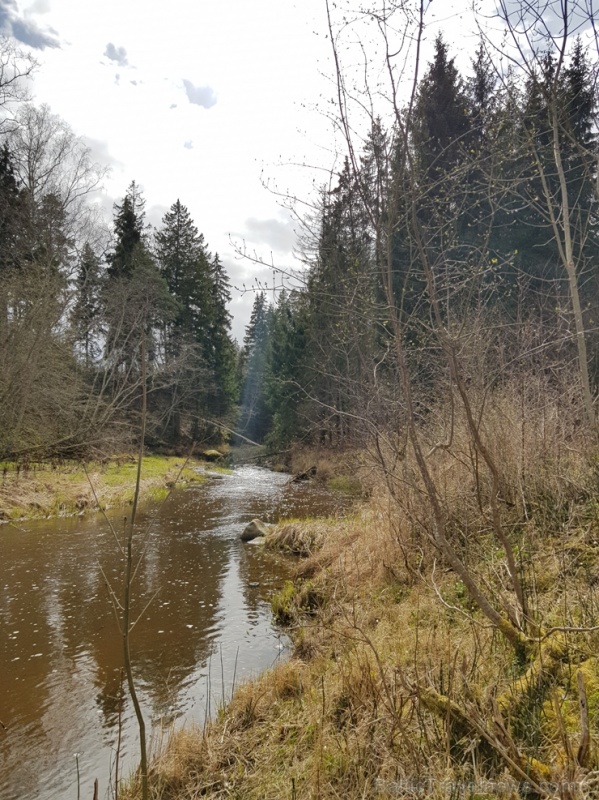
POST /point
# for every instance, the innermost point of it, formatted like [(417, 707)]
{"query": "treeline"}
[(89, 315), (458, 247)]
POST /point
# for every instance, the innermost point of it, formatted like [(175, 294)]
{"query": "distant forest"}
[(457, 248)]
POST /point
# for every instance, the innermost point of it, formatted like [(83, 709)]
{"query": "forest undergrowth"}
[(398, 685)]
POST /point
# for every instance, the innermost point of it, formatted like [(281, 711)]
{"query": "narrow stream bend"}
[(208, 625)]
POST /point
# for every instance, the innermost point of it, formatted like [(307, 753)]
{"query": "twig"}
[(102, 510), (582, 756)]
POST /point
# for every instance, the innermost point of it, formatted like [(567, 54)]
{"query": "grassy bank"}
[(397, 687), (69, 488), (400, 683)]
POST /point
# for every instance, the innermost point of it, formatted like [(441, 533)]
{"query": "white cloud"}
[(40, 7), (278, 234), (116, 54), (24, 28), (155, 214), (203, 96)]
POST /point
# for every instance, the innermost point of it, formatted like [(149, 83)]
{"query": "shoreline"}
[(47, 492)]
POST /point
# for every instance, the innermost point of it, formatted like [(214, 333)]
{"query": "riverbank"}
[(70, 488), (400, 683)]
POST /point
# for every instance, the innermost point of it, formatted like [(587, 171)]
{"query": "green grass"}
[(221, 470), (47, 491), (116, 474), (345, 484)]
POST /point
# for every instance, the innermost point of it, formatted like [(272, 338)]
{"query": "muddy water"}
[(207, 626)]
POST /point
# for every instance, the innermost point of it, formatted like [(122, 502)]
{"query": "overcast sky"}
[(202, 101)]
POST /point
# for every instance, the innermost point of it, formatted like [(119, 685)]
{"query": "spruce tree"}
[(136, 299), (439, 160), (286, 369), (86, 317), (220, 349), (580, 144), (441, 122), (254, 414), (129, 228), (184, 263), (199, 351), (341, 304), (13, 220), (482, 98)]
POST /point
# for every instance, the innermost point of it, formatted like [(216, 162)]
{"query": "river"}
[(207, 626)]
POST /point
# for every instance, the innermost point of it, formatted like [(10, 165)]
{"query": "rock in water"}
[(255, 529)]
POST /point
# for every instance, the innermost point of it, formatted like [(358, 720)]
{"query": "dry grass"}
[(399, 686), (345, 471), (297, 538), (48, 491)]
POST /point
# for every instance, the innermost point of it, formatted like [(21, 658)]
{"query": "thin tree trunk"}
[(568, 255), (143, 761)]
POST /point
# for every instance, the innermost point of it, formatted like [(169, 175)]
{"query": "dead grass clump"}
[(254, 699), (533, 435), (297, 600), (297, 538), (355, 551), (345, 470)]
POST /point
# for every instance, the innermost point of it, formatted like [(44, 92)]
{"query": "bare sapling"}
[(127, 589)]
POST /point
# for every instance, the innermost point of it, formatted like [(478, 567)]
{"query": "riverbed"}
[(204, 625)]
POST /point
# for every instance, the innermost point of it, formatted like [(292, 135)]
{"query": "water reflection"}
[(60, 652)]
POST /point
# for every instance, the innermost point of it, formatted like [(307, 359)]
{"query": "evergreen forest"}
[(453, 254)]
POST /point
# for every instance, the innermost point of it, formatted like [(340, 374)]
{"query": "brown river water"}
[(207, 627)]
